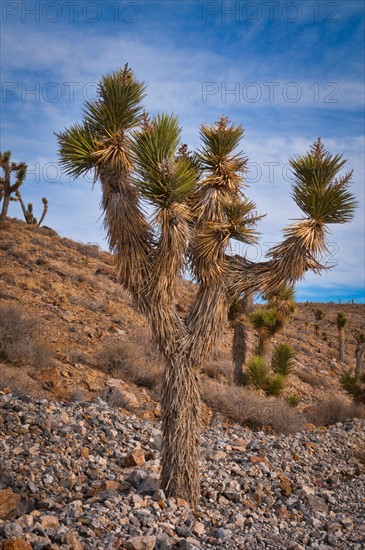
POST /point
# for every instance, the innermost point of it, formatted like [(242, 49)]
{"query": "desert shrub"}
[(325, 413), (92, 250), (283, 359), (21, 339), (292, 399), (22, 383), (216, 370), (311, 378), (78, 395), (357, 390), (76, 356), (44, 230), (113, 397), (122, 359), (42, 355), (248, 408)]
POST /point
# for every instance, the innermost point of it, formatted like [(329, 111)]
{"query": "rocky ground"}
[(85, 476)]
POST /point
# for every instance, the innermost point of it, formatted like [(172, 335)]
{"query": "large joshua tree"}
[(197, 207)]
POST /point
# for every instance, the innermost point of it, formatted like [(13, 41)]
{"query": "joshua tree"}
[(6, 187), (238, 316), (341, 323), (318, 315), (196, 211), (28, 212), (359, 353), (266, 323), (270, 320)]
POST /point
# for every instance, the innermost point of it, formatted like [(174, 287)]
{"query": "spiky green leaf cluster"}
[(76, 148), (161, 177), (293, 399), (240, 219), (218, 143), (102, 138), (283, 359), (257, 372), (259, 377), (341, 320), (318, 190), (318, 313), (266, 321), (119, 104), (275, 385), (350, 385)]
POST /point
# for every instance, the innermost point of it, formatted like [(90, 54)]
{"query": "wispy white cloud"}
[(175, 70)]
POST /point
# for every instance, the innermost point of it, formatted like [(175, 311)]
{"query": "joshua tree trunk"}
[(265, 349), (341, 340), (5, 207), (239, 350), (181, 430), (360, 350), (238, 314), (45, 209)]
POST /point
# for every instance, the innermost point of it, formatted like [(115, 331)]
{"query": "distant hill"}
[(85, 323)]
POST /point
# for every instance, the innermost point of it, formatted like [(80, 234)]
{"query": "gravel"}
[(65, 485)]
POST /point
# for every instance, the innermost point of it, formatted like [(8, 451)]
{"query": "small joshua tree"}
[(318, 315), (359, 353), (7, 188), (266, 323), (341, 323), (258, 372), (197, 210), (269, 320), (28, 212), (11, 191)]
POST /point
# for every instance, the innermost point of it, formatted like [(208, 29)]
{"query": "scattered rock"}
[(135, 458), (73, 541), (49, 522), (18, 544), (9, 502), (317, 504), (140, 543), (149, 485)]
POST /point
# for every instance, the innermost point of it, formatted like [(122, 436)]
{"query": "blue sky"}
[(288, 71)]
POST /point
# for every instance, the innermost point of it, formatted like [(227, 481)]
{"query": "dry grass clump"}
[(325, 413), (21, 383), (124, 359), (44, 230), (311, 378), (21, 339), (92, 250), (248, 408), (75, 356), (216, 370), (114, 398)]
